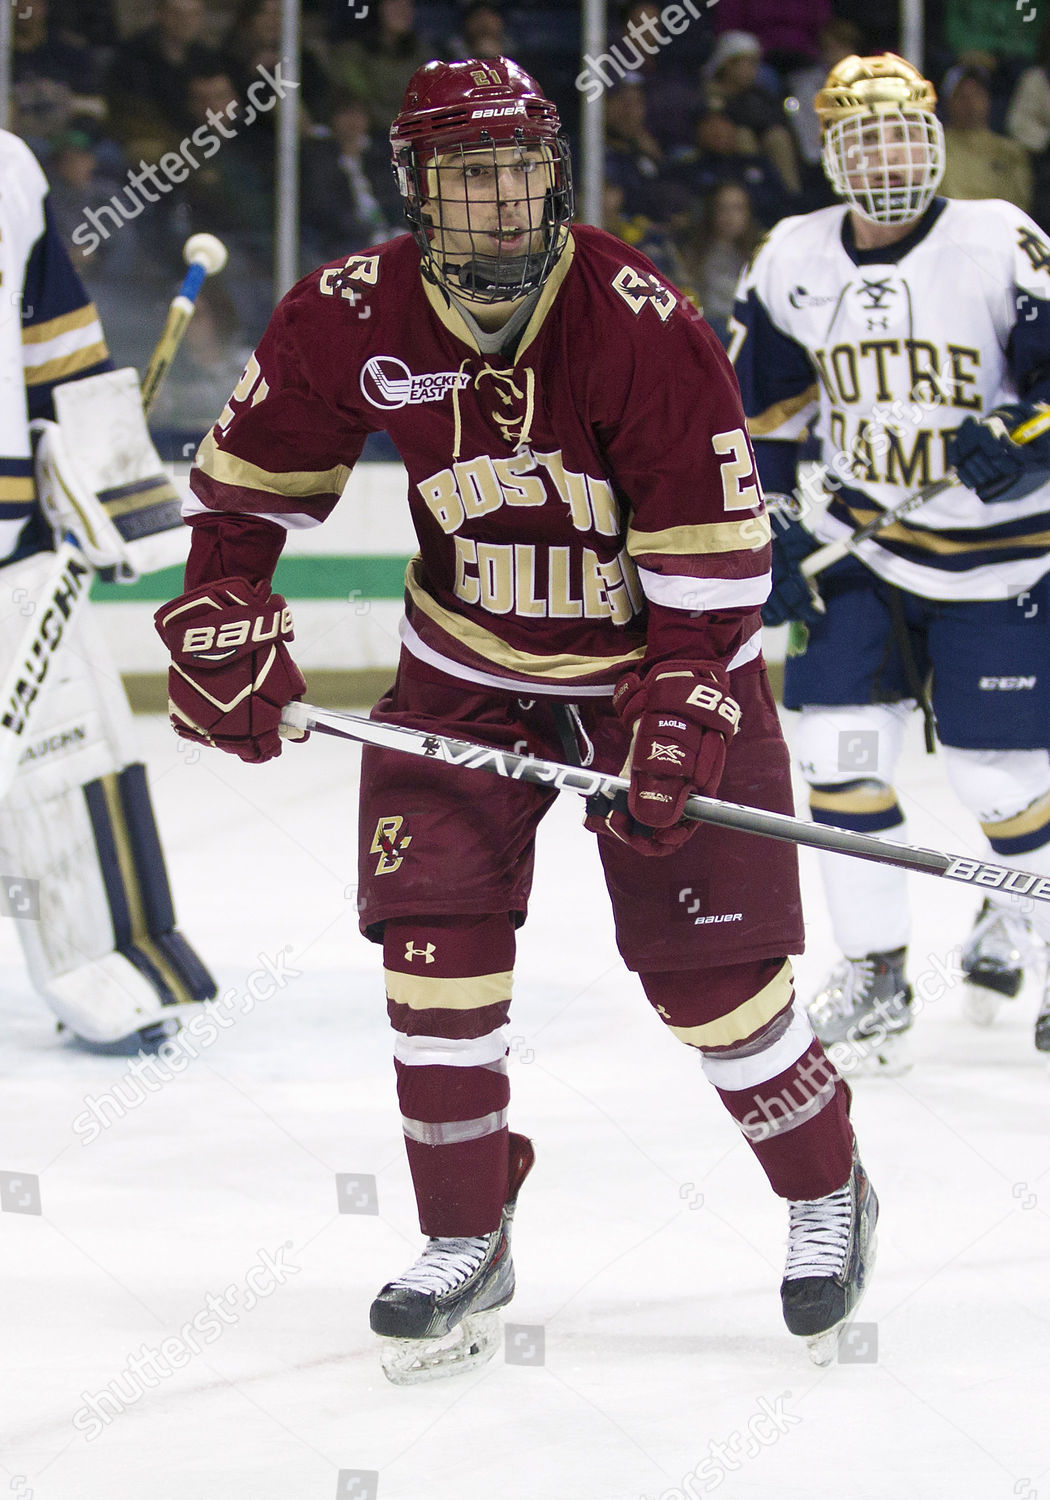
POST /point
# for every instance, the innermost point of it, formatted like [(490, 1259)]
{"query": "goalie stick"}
[(53, 612), (831, 552), (561, 778)]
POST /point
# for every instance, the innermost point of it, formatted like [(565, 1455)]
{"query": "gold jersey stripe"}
[(227, 468), (716, 536), (420, 993), (1025, 822), (932, 541), (746, 1019), (483, 643), (42, 333), (67, 364), (17, 487), (781, 411), (857, 800), (140, 936)]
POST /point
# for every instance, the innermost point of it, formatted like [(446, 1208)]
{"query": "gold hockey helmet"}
[(873, 85), (883, 145)]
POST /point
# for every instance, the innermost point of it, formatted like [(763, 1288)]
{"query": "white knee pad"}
[(85, 871), (860, 742), (997, 784), (867, 902)]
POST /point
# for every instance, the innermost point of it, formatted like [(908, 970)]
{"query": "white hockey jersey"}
[(878, 356), (49, 330)]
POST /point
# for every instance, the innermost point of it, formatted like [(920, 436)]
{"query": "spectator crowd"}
[(710, 132)]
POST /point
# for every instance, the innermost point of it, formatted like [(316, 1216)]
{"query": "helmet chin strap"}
[(516, 275)]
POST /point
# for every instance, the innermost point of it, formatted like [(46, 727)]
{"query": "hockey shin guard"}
[(759, 1051), (448, 992)]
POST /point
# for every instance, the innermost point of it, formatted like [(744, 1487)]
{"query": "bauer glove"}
[(792, 597), (231, 674), (988, 460), (682, 718)]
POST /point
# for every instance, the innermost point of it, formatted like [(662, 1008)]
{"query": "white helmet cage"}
[(493, 272), (887, 165)]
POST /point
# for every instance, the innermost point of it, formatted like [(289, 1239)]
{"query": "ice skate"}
[(993, 961), (866, 1005), (439, 1318), (831, 1254)]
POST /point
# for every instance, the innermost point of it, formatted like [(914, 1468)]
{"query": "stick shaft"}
[(817, 561), (180, 312), (557, 777)]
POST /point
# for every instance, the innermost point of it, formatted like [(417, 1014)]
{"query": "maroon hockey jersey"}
[(584, 503)]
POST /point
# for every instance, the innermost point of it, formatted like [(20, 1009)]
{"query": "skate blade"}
[(823, 1348), (981, 1004), (471, 1344)]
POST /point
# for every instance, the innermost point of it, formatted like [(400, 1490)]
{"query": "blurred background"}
[(692, 126)]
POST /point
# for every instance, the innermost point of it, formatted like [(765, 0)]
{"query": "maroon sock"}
[(796, 1120), (448, 990), (797, 1124)]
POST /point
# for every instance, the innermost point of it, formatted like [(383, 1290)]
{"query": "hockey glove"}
[(988, 460), (793, 597), (682, 717), (231, 674)]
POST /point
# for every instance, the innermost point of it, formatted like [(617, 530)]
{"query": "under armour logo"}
[(426, 954), (674, 754)]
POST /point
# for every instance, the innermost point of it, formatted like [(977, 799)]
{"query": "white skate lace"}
[(445, 1264), (847, 987), (818, 1238)]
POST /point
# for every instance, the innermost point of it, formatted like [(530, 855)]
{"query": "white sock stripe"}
[(451, 1051), (453, 1132), (733, 1073)]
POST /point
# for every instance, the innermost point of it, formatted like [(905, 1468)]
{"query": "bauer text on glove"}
[(231, 673)]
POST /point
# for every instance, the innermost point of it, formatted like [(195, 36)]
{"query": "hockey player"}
[(593, 555), (85, 873), (908, 334)]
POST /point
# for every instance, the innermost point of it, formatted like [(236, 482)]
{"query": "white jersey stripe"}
[(675, 591)]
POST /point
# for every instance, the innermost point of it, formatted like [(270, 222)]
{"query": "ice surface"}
[(647, 1244)]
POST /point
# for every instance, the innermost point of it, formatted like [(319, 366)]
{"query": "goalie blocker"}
[(79, 842), (100, 479)]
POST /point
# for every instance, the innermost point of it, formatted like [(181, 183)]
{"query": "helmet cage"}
[(886, 164), (486, 277)]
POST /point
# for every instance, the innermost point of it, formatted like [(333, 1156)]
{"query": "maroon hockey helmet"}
[(454, 113)]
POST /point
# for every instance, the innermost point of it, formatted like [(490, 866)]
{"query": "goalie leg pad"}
[(100, 943), (137, 890)]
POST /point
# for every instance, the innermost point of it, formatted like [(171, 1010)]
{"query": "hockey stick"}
[(830, 553), (205, 255), (59, 599), (557, 777)]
